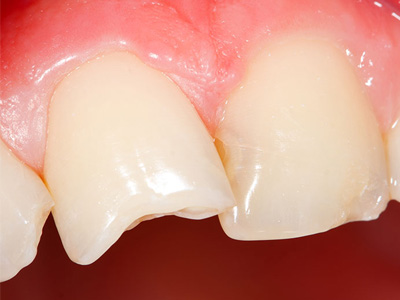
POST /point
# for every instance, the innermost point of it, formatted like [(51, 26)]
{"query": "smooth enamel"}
[(300, 145)]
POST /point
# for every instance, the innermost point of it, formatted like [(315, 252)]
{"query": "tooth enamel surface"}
[(125, 145), (25, 204), (393, 146), (300, 145)]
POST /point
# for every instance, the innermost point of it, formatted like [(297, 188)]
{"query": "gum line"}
[(202, 47)]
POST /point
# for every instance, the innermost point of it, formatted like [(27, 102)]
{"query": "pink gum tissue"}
[(202, 46)]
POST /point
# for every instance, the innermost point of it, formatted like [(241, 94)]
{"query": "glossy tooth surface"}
[(25, 204), (393, 147), (300, 145), (124, 145)]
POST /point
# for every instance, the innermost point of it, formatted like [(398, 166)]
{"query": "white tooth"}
[(25, 205), (300, 145), (393, 148), (124, 145)]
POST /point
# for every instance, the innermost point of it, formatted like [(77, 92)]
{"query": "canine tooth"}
[(393, 146), (25, 205), (300, 145), (125, 145)]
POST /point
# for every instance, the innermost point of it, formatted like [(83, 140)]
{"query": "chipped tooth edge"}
[(193, 150), (31, 221)]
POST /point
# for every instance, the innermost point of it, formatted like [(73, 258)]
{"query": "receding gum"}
[(124, 145), (300, 144)]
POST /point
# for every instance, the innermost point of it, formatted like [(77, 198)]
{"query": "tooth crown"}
[(124, 145), (300, 145), (25, 204)]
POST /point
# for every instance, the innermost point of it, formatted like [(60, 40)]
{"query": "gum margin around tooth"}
[(25, 205)]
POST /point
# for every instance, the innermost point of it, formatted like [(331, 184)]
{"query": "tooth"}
[(393, 146), (125, 145), (300, 145), (25, 205)]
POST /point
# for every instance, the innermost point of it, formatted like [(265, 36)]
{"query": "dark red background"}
[(173, 258)]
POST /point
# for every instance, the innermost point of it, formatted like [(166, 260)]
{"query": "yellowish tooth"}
[(300, 145), (125, 145), (393, 147), (25, 205)]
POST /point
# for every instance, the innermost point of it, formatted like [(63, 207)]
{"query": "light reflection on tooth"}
[(125, 145), (393, 148), (25, 204), (165, 182), (300, 145)]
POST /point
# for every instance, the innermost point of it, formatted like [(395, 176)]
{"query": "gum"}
[(203, 47)]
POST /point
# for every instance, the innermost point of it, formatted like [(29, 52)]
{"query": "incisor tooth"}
[(300, 145), (25, 205), (393, 148), (124, 145)]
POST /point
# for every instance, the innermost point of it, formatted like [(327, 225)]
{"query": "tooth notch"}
[(300, 145), (124, 145)]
